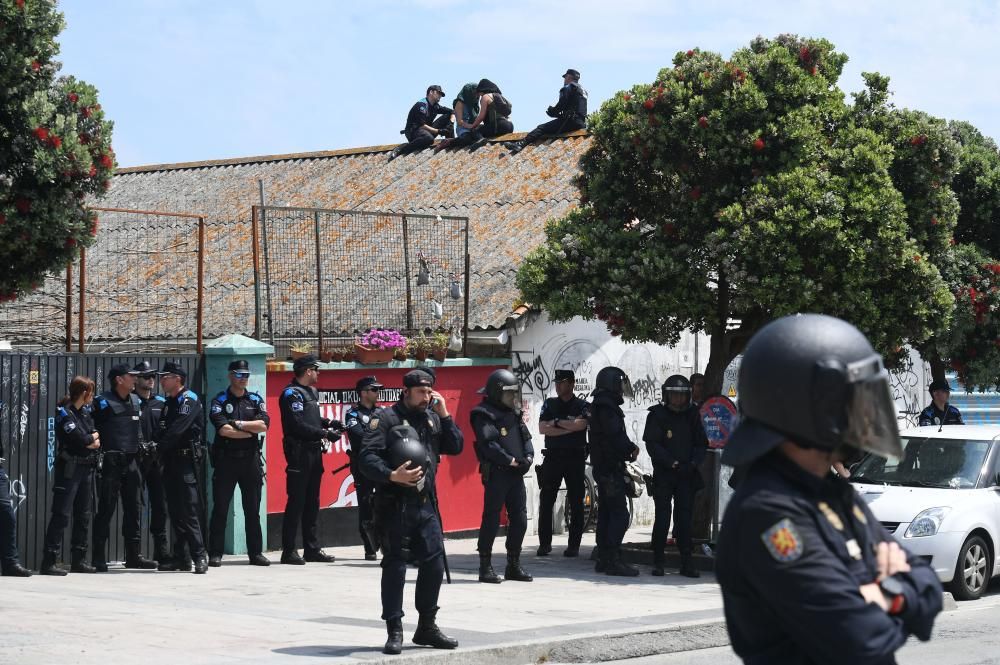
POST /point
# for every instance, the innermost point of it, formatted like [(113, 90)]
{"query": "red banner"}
[(459, 487)]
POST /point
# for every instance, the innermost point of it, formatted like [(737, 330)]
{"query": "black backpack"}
[(502, 106)]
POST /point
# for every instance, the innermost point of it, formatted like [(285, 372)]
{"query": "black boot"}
[(49, 566), (396, 152), (600, 560), (618, 568), (161, 551), (687, 566), (572, 550), (394, 645), (517, 147), (486, 573), (201, 564), (658, 563), (16, 570), (544, 550), (429, 635), (80, 566), (514, 572), (97, 559), (134, 559)]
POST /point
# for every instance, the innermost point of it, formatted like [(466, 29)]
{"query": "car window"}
[(928, 462)]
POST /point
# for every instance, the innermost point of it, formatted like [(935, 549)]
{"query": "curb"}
[(587, 648)]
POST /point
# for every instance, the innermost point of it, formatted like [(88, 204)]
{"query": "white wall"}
[(586, 347)]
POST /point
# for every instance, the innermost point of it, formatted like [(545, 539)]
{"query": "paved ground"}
[(329, 613)]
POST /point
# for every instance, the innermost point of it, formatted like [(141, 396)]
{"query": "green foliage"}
[(55, 150), (746, 189)]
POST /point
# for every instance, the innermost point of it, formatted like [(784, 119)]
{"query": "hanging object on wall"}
[(437, 310), (455, 341), (456, 287), (424, 276)]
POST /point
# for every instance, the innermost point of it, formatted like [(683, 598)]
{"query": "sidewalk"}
[(329, 613)]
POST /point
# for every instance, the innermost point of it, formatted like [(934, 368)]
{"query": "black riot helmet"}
[(613, 380), (502, 389), (675, 384), (816, 381), (403, 445)]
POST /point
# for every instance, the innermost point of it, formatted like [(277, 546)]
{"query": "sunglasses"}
[(241, 375)]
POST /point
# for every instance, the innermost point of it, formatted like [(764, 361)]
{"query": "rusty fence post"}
[(69, 307), (319, 289), (201, 281), (83, 295), (468, 278), (406, 267)]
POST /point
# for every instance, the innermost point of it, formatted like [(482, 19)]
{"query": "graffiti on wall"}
[(907, 387)]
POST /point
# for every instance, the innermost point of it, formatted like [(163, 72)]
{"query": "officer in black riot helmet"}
[(150, 461), (400, 454), (676, 442), (812, 391), (503, 447), (610, 448)]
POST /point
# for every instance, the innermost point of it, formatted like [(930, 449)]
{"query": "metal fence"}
[(30, 387), (324, 276), (139, 288)]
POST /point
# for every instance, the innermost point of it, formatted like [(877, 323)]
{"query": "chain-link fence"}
[(326, 276)]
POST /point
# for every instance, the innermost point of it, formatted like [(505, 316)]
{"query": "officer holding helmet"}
[(940, 412), (400, 455), (676, 442), (505, 453), (610, 448), (807, 572)]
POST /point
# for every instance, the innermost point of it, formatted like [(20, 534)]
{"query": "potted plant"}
[(439, 345), (347, 353), (300, 349), (420, 346), (326, 355), (378, 345)]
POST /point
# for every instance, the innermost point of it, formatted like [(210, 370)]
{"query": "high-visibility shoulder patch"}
[(783, 541)]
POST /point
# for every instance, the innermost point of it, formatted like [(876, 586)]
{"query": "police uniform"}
[(73, 487), (117, 420), (423, 113), (674, 437), (502, 439), (610, 448), (407, 519), (179, 439), (304, 430), (151, 466), (570, 114), (932, 416), (357, 421), (10, 566), (565, 458), (236, 462), (798, 556)]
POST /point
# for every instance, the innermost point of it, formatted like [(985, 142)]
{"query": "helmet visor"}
[(510, 397), (627, 392), (871, 413)]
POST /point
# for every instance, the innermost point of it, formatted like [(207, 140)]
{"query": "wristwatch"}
[(555, 423), (892, 588)]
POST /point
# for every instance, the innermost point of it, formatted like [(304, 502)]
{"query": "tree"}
[(729, 193), (55, 150)]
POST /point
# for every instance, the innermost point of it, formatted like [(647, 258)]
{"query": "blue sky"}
[(188, 80)]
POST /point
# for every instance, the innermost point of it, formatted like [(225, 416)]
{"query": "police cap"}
[(173, 368), (416, 378), (120, 370), (572, 72), (939, 384), (305, 362), (436, 88), (144, 369), (239, 365), (565, 375), (368, 383)]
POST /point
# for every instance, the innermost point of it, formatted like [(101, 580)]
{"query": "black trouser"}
[(232, 468), (304, 474), (557, 126), (119, 477), (184, 503), (73, 491), (612, 511), (675, 487), (420, 138), (8, 524), (364, 492), (411, 533), (505, 487), (501, 126), (151, 468), (571, 466)]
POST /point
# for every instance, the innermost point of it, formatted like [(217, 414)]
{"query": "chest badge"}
[(853, 549), (503, 431), (860, 515), (229, 407), (373, 424), (670, 433), (783, 541), (365, 419), (831, 515)]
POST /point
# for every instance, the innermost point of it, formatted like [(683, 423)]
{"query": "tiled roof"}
[(506, 199)]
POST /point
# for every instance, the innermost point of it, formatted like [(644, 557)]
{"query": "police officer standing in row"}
[(116, 414), (76, 461), (357, 422), (150, 464), (400, 454), (304, 431), (240, 421), (563, 422), (503, 447), (807, 572), (610, 448), (676, 442), (179, 439), (940, 412)]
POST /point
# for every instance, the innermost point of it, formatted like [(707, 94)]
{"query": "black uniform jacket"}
[(440, 436), (610, 446), (674, 436), (793, 551), (75, 431), (181, 422)]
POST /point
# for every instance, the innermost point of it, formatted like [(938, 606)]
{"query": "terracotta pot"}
[(368, 356), (326, 356), (336, 356), (399, 354), (299, 354), (420, 355), (440, 354)]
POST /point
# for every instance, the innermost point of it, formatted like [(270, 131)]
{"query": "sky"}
[(189, 80)]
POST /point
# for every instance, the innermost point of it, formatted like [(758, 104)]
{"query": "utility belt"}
[(118, 454), (392, 499), (576, 451), (234, 453), (303, 445), (85, 460)]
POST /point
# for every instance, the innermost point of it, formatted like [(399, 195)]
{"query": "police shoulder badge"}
[(503, 431), (860, 514), (373, 424), (831, 515), (783, 541)]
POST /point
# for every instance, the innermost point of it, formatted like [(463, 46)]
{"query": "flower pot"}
[(336, 356), (440, 354), (326, 356), (368, 356), (399, 354), (420, 355), (299, 354)]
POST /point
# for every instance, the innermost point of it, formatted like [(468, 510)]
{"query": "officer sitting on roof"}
[(570, 113), (427, 119), (940, 412)]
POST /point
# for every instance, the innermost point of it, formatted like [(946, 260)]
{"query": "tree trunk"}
[(937, 367)]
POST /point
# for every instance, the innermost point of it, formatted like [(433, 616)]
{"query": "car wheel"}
[(972, 571)]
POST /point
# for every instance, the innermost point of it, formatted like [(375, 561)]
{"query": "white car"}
[(942, 501)]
